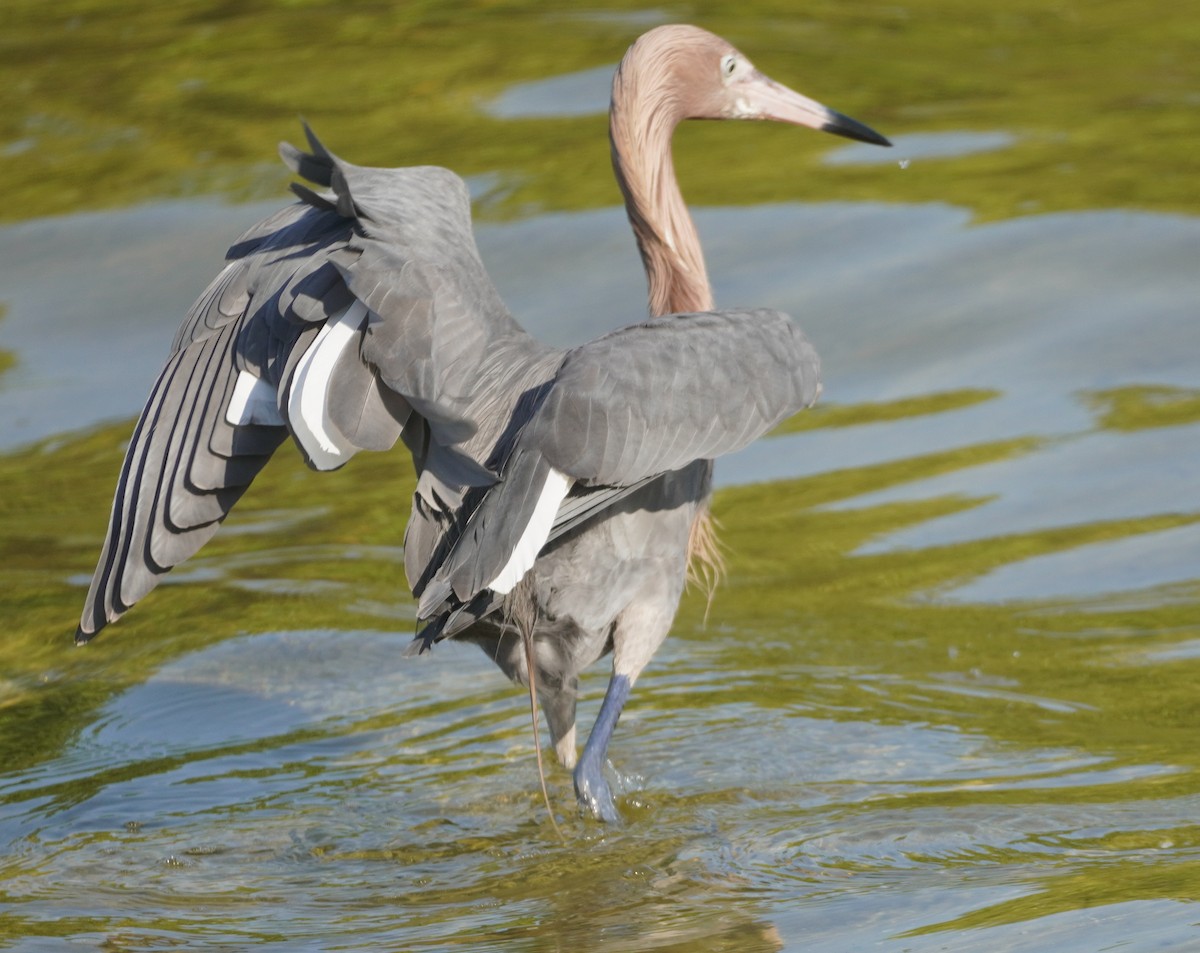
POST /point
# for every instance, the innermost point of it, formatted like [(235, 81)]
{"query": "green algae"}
[(105, 104), (1139, 407), (849, 415), (306, 551), (8, 360)]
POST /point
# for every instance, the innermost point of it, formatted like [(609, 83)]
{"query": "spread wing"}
[(622, 410), (656, 396), (332, 320)]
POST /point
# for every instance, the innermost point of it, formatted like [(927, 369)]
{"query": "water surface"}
[(945, 698)]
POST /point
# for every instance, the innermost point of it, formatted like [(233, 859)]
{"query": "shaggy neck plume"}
[(645, 112)]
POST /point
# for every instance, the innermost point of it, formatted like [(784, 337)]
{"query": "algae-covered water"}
[(945, 698)]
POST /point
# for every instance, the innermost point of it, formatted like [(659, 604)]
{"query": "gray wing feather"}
[(183, 520), (223, 300), (449, 618), (186, 466), (489, 536), (608, 421), (369, 414), (157, 518), (440, 508), (203, 397), (734, 375), (401, 240)]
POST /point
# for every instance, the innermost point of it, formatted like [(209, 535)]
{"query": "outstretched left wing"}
[(332, 319)]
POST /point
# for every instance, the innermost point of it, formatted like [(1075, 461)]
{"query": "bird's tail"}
[(502, 538)]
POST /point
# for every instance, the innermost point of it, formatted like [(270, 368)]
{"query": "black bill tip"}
[(841, 125)]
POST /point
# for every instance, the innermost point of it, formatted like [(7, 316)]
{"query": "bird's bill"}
[(768, 99)]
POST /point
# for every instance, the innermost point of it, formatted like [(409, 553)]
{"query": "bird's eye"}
[(728, 65)]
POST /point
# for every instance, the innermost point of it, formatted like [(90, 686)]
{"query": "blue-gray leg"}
[(591, 787)]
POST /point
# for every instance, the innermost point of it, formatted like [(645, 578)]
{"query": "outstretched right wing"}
[(655, 396), (623, 409)]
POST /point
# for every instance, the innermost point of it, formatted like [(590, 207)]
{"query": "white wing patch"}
[(253, 402), (536, 532), (308, 399)]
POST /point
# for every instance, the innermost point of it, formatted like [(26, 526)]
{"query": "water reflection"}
[(1146, 561), (946, 698), (926, 145), (575, 94), (1009, 422)]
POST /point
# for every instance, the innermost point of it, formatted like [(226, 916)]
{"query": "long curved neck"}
[(641, 123)]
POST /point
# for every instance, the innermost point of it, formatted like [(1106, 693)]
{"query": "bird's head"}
[(695, 74)]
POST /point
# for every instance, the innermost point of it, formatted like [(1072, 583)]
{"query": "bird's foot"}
[(591, 786), (593, 791)]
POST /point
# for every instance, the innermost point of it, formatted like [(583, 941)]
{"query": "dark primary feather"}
[(182, 472), (487, 540)]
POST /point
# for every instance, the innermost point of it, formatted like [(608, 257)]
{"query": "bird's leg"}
[(591, 787), (558, 702), (637, 634)]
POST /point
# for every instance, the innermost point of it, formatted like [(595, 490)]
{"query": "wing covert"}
[(655, 396)]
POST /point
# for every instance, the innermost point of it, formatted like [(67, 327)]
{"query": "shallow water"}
[(945, 699)]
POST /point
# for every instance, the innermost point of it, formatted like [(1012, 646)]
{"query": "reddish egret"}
[(561, 494)]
